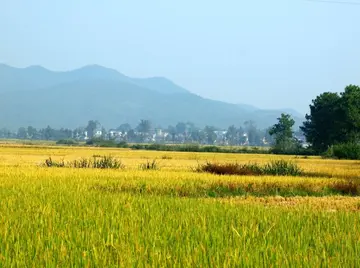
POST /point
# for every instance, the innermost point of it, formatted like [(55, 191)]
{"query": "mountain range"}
[(39, 97)]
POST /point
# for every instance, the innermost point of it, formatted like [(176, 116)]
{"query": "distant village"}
[(247, 135)]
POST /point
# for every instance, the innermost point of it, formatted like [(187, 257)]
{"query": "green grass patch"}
[(149, 165), (71, 227), (275, 168), (99, 162)]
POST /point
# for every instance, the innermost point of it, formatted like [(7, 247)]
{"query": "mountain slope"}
[(37, 77), (38, 97)]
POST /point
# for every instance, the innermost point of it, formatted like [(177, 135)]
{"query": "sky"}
[(267, 53)]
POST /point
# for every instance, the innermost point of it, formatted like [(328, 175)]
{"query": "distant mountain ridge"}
[(37, 77), (39, 97)]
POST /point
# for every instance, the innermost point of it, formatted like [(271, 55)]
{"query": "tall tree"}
[(210, 135), (252, 133), (91, 128), (232, 135), (103, 133), (172, 133), (144, 126), (283, 134), (180, 128), (78, 133), (326, 123), (350, 101), (198, 136), (32, 132), (5, 133), (22, 133)]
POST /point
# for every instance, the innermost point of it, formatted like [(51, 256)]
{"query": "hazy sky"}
[(268, 53)]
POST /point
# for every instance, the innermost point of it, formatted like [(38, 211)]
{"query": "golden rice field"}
[(173, 216)]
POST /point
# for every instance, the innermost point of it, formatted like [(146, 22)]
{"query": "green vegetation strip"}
[(68, 226), (232, 188)]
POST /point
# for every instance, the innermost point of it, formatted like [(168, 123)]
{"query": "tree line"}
[(182, 132), (331, 128)]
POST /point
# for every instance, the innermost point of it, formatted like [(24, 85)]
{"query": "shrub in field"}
[(344, 151), (149, 165), (282, 168), (103, 162), (107, 162), (52, 163), (123, 144), (82, 163), (211, 149), (230, 169), (101, 143), (276, 168), (67, 142)]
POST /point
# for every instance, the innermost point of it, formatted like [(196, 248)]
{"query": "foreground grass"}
[(47, 225), (60, 217)]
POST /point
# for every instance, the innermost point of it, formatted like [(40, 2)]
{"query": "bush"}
[(101, 142), (153, 165), (275, 168), (51, 163), (211, 149), (67, 142), (123, 144), (295, 151), (229, 169), (344, 151), (107, 162), (282, 168), (82, 163), (103, 162)]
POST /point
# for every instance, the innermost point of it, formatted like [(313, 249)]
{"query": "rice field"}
[(173, 216)]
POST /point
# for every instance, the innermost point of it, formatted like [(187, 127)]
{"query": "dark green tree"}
[(283, 134), (326, 124), (350, 101), (268, 138)]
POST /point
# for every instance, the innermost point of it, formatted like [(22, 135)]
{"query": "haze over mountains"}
[(39, 97)]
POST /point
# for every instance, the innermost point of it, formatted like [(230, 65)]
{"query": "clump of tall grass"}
[(275, 168), (282, 168), (52, 163), (229, 168), (107, 162), (103, 162), (149, 165)]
